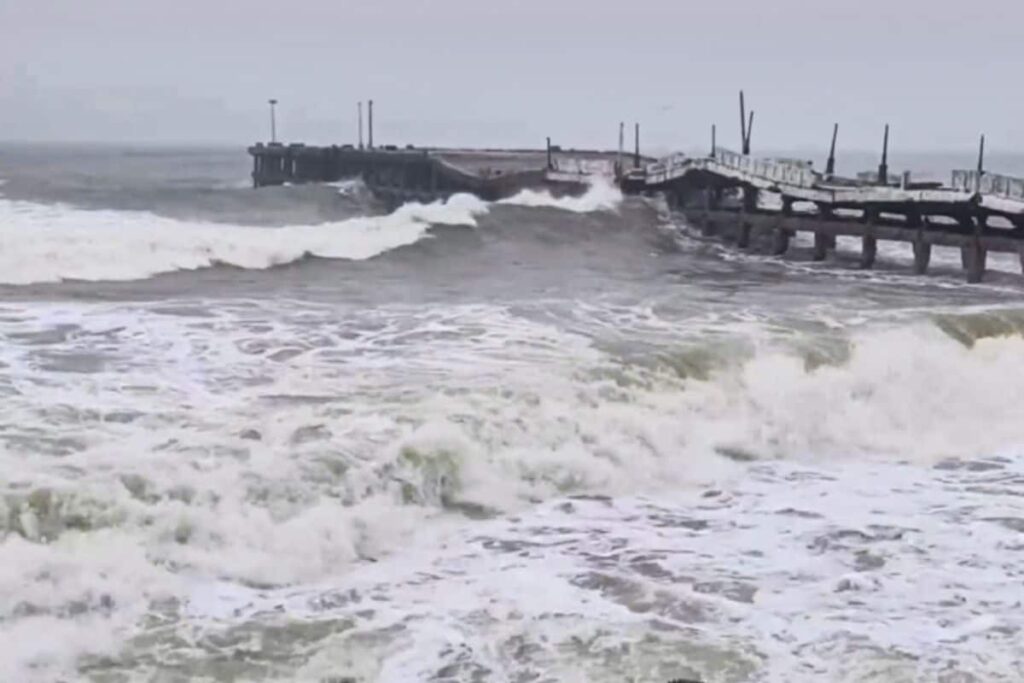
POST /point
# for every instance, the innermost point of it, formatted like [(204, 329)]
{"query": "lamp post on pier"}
[(273, 121)]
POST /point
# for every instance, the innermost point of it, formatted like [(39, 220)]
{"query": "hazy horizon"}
[(458, 73)]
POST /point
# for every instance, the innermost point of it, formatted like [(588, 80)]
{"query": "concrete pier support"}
[(743, 235), (780, 236), (974, 256), (744, 228), (821, 246), (780, 241), (711, 202), (922, 255), (868, 251)]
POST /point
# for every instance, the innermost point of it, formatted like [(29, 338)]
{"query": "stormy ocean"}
[(288, 434)]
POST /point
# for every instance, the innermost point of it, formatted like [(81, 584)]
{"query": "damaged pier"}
[(726, 193), (729, 193)]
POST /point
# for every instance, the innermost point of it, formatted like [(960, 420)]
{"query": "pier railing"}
[(989, 183), (669, 167), (784, 172)]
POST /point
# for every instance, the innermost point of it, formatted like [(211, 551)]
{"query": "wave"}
[(493, 437), (380, 426), (912, 393), (41, 243), (601, 195)]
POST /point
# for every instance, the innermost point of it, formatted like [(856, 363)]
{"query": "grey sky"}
[(509, 73)]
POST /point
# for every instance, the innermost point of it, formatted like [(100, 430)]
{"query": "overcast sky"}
[(507, 72)]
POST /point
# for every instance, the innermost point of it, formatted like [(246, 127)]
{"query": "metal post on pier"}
[(360, 108), (369, 106), (619, 169), (981, 163), (743, 124), (883, 168), (273, 120), (551, 165), (830, 165), (636, 142), (750, 129), (714, 142)]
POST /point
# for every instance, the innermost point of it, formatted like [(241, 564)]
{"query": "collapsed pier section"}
[(728, 193)]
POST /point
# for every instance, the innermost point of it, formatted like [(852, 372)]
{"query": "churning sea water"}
[(287, 435)]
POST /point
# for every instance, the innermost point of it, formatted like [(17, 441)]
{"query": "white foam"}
[(347, 187), (374, 427), (40, 243), (601, 195), (766, 580)]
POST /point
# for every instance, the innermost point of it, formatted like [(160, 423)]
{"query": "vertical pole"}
[(636, 151), (273, 121), (714, 142), (743, 124), (550, 165), (981, 164), (622, 146), (370, 115), (883, 168), (360, 107), (750, 129), (830, 165)]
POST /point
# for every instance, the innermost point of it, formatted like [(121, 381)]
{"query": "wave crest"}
[(40, 243), (602, 195)]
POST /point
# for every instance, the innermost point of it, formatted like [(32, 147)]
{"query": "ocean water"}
[(287, 435)]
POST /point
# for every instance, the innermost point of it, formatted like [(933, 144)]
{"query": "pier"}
[(427, 174), (756, 202), (738, 196), (735, 195)]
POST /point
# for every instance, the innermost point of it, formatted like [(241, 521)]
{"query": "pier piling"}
[(748, 206), (922, 254), (868, 251), (821, 246), (975, 256)]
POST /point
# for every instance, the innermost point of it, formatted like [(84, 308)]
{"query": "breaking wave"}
[(41, 243), (317, 466), (602, 195), (53, 243)]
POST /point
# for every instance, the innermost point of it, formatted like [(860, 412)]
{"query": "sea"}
[(293, 434)]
